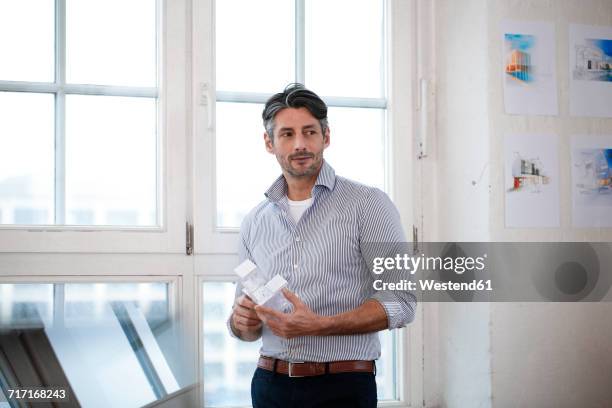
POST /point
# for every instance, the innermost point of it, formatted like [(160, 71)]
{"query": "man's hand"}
[(245, 322), (300, 322)]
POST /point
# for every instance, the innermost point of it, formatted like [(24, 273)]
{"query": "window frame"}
[(173, 282), (32, 253), (299, 55), (169, 234), (176, 287), (185, 130), (215, 248)]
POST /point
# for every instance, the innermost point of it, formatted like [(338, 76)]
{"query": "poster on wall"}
[(531, 180), (529, 68), (591, 181), (590, 59)]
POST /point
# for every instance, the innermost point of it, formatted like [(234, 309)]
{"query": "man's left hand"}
[(300, 322)]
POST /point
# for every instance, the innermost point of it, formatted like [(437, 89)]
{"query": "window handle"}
[(206, 100), (423, 118)]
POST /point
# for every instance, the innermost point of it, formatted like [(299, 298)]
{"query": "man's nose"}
[(300, 142)]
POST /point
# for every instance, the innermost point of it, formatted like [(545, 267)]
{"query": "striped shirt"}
[(322, 258)]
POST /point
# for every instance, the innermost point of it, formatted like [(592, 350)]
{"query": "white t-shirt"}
[(297, 208)]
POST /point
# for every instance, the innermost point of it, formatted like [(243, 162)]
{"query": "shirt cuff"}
[(400, 309), (229, 328)]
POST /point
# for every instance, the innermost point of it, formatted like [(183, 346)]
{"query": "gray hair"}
[(295, 95)]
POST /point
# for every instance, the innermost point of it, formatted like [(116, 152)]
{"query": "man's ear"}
[(269, 143), (326, 138)]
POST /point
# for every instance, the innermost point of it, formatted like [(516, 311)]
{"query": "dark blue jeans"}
[(342, 390)]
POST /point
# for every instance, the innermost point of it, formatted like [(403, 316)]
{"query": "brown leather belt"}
[(309, 369)]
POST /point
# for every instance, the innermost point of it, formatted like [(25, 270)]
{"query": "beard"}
[(286, 164)]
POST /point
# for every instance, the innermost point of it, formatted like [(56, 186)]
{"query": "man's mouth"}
[(301, 158)]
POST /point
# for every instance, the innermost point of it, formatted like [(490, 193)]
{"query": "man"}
[(312, 229)]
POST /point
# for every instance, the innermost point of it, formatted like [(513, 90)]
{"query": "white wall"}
[(547, 354), (461, 148), (551, 354), (505, 354), (454, 208)]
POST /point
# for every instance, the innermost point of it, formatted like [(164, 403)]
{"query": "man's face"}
[(298, 142)]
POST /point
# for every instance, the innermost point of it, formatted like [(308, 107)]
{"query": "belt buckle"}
[(289, 365)]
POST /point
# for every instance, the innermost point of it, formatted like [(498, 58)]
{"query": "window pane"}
[(111, 160), (111, 42), (386, 368), (27, 40), (115, 336), (27, 158), (356, 149), (255, 41), (85, 302), (245, 169), (111, 332), (25, 305), (229, 364), (348, 59)]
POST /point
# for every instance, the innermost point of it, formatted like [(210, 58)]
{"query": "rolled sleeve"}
[(381, 235), (400, 307), (228, 322)]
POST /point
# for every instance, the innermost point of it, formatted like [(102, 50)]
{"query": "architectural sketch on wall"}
[(593, 60), (527, 175), (590, 70), (531, 181), (592, 181), (529, 73), (518, 57)]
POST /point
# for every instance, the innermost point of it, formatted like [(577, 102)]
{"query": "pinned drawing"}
[(590, 71), (532, 181), (593, 60), (529, 73), (527, 175), (518, 57), (592, 181)]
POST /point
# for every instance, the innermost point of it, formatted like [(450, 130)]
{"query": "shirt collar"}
[(326, 178)]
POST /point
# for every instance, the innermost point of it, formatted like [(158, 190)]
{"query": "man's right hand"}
[(245, 322)]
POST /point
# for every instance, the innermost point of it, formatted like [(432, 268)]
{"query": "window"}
[(109, 143), (112, 332), (282, 42), (93, 136), (240, 60), (79, 139)]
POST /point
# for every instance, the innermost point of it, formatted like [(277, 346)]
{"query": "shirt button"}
[(295, 266), (297, 239)]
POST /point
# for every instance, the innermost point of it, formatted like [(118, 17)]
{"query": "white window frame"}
[(209, 238), (215, 248), (39, 254), (174, 269), (61, 273), (186, 131), (172, 126), (173, 282)]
